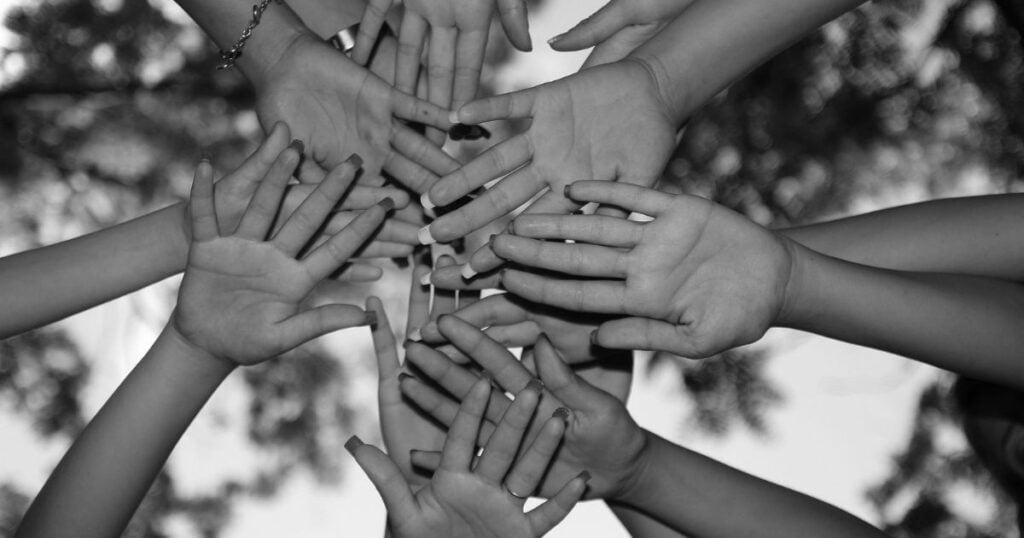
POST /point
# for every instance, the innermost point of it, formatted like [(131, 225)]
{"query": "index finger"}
[(460, 444), (507, 106), (490, 355), (625, 195), (514, 20)]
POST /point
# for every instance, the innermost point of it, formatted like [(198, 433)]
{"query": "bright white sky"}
[(846, 409)]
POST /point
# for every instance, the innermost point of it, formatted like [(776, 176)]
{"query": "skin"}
[(464, 499), (227, 315)]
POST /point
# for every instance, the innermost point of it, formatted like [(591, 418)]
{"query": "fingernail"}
[(425, 279), (298, 146), (205, 156), (453, 117), (415, 335), (425, 201), (535, 385), (425, 237), (593, 337), (511, 228), (370, 319), (502, 274), (561, 413), (585, 475), (403, 376), (355, 159), (388, 204), (467, 272), (566, 191), (353, 443), (487, 375), (556, 38), (490, 240)]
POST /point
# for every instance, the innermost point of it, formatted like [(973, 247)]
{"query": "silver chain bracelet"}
[(229, 56)]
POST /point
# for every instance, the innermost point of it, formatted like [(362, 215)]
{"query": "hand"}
[(699, 278), (241, 299), (605, 123), (618, 28), (466, 500), (403, 426), (515, 322), (339, 107), (458, 39), (600, 435)]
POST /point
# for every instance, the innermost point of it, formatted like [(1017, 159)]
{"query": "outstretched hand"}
[(338, 107), (605, 123), (242, 297), (696, 280), (464, 500), (600, 436), (458, 39)]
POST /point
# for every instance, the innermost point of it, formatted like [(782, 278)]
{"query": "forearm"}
[(967, 324), (703, 498), (715, 42), (100, 481), (979, 236), (44, 285), (641, 525)]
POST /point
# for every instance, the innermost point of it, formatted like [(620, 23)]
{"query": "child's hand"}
[(403, 426), (600, 435), (486, 499), (241, 296), (699, 278)]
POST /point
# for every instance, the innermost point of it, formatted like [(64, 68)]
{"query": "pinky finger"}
[(204, 214), (305, 326), (553, 511)]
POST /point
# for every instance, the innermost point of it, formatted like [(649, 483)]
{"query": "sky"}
[(846, 409)]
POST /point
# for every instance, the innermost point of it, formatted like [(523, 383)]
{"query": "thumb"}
[(646, 334), (594, 29), (558, 378), (386, 477)]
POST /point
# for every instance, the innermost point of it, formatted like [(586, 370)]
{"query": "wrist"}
[(637, 477), (272, 42), (203, 361), (659, 82), (798, 297)]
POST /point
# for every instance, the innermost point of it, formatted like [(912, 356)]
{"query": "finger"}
[(553, 511), (504, 443), (450, 278), (625, 195), (558, 378), (649, 334), (500, 107), (310, 172), (363, 197), (455, 355), (469, 61), (417, 110), (421, 151), (328, 257), (316, 322), (599, 297), (358, 272), (444, 300), (504, 197), (495, 162), (460, 444), (386, 477), (594, 229), (201, 203), (621, 44), (256, 165), (408, 173), (309, 217), (490, 355), (513, 17), (374, 16), (411, 33), (263, 206), (528, 472), (487, 312), (441, 65), (453, 378), (419, 302), (464, 298), (393, 231), (577, 259), (383, 249), (384, 346), (516, 335), (594, 29)]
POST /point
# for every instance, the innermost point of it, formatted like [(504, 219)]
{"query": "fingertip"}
[(353, 444), (425, 237)]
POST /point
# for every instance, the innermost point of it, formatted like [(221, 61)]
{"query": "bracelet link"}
[(230, 56)]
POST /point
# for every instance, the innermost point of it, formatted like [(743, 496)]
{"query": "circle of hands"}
[(582, 290)]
